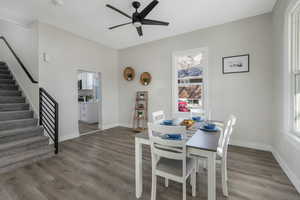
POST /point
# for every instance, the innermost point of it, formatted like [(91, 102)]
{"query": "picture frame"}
[(236, 64)]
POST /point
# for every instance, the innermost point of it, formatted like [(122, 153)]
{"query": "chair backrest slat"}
[(171, 149), (158, 117), (168, 154), (224, 140)]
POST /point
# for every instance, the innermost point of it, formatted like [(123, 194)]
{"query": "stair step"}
[(13, 115), (19, 146), (6, 76), (4, 71), (19, 134), (11, 99), (4, 67), (15, 124), (10, 93), (2, 63), (14, 107), (8, 87), (7, 81), (21, 159)]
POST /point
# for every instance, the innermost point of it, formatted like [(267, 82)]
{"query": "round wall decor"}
[(145, 78), (129, 73)]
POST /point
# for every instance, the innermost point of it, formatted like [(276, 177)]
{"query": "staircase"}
[(22, 141)]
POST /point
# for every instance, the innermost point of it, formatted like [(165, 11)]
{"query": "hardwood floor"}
[(86, 128), (101, 166)]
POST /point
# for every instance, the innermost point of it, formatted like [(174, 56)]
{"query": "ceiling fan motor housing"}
[(136, 4)]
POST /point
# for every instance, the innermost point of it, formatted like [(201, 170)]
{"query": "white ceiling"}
[(90, 18)]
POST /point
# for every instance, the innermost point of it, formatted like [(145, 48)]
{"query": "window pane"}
[(297, 102), (297, 42), (190, 82)]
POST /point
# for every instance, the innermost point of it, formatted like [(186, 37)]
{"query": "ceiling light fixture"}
[(58, 2)]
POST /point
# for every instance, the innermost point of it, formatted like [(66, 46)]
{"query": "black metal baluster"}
[(47, 115)]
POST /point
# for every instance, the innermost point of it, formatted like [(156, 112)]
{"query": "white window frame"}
[(294, 65), (175, 111)]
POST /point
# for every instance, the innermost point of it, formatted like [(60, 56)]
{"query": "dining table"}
[(199, 143)]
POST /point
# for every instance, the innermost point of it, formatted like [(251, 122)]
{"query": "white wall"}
[(24, 42), (69, 53), (286, 146), (247, 95)]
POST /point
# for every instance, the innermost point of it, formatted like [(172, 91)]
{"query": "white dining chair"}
[(196, 112), (222, 152), (158, 116), (169, 157)]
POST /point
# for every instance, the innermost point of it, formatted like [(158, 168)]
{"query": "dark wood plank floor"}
[(101, 166)]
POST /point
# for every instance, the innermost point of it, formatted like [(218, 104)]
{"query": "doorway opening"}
[(89, 102)]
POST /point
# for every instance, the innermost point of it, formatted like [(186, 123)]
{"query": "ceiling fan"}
[(139, 18)]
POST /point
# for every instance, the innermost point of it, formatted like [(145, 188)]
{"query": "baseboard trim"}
[(108, 126), (67, 137), (263, 147), (125, 125), (291, 175)]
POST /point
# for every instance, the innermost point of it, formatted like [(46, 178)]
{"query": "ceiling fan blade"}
[(154, 22), (148, 9), (113, 27), (140, 31), (117, 10)]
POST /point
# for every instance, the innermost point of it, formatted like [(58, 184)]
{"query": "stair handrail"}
[(18, 60)]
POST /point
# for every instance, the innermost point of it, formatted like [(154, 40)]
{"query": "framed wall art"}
[(236, 64)]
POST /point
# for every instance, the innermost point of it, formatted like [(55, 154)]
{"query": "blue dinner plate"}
[(216, 129), (198, 119), (167, 123), (172, 137)]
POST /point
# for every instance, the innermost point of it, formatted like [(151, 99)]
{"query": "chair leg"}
[(197, 166), (225, 171), (184, 190), (153, 190), (193, 177), (204, 163), (224, 181), (166, 182)]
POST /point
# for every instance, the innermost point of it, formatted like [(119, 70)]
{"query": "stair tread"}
[(22, 142), (9, 86), (11, 115), (10, 93), (13, 104), (18, 120), (26, 155), (12, 97), (4, 90), (19, 130), (15, 112)]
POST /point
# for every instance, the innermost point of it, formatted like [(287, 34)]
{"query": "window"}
[(295, 68), (189, 81)]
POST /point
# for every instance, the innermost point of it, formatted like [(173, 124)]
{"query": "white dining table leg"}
[(211, 171), (138, 168)]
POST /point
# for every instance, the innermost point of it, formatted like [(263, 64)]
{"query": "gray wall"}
[(247, 95), (69, 53), (286, 145)]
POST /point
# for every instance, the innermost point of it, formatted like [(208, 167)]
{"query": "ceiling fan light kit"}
[(58, 2), (138, 19)]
